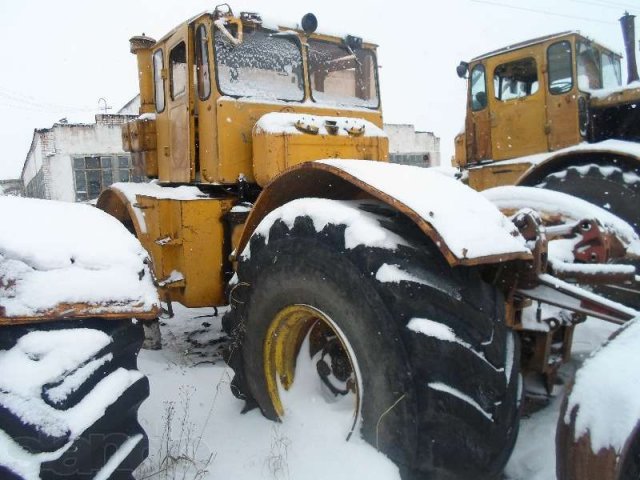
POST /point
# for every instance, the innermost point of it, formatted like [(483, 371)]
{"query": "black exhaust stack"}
[(629, 34)]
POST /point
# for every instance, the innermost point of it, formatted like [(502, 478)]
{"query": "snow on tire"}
[(438, 367), (69, 397)]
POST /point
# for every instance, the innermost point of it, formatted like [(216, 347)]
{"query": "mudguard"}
[(466, 227), (626, 153)]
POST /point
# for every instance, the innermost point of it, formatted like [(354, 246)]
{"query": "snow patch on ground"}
[(217, 441)]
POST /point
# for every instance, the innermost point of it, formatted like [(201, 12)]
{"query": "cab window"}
[(560, 66), (202, 63), (611, 74), (478, 88), (342, 75), (588, 59), (158, 81), (178, 70), (265, 65), (516, 79)]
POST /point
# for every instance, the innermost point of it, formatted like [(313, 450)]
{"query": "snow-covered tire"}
[(612, 188), (438, 366), (68, 408)]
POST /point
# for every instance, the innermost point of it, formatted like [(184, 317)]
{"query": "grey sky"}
[(60, 57)]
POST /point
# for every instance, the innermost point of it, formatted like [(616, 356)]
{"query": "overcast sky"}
[(60, 57)]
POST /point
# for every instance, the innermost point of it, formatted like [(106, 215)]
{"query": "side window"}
[(178, 70), (515, 79), (158, 81), (560, 68), (611, 74), (478, 88), (588, 65), (202, 63)]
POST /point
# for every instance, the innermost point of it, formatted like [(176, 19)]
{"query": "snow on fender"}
[(466, 227), (598, 434), (60, 259)]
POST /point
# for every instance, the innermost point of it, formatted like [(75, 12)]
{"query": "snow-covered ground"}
[(196, 428)]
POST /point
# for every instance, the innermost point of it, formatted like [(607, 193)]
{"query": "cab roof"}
[(535, 41)]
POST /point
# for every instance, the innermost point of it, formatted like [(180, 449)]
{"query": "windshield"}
[(342, 77), (264, 65), (597, 70)]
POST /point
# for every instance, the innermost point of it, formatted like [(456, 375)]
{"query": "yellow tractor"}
[(399, 290), (552, 113)]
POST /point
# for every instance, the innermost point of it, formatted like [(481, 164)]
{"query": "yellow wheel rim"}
[(282, 347)]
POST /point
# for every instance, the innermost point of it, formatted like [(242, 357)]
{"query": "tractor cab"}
[(533, 97), (206, 84)]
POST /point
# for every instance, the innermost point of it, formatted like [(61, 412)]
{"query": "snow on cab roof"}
[(61, 259), (534, 41)]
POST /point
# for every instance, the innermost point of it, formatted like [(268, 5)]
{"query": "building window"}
[(422, 159), (92, 174)]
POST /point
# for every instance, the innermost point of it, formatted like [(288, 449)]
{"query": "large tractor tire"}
[(69, 397), (420, 348), (610, 187)]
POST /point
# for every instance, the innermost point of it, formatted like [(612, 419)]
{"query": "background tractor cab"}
[(533, 97)]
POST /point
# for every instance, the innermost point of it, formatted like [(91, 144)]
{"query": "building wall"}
[(49, 169), (411, 147)]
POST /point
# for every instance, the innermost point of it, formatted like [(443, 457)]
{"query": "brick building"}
[(74, 162), (409, 147)]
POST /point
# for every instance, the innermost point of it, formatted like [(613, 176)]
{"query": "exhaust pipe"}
[(629, 34)]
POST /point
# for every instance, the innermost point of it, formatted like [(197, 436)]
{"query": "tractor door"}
[(517, 106), (180, 106), (562, 98), (477, 125)]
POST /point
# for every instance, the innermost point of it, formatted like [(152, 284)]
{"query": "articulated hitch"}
[(578, 254)]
